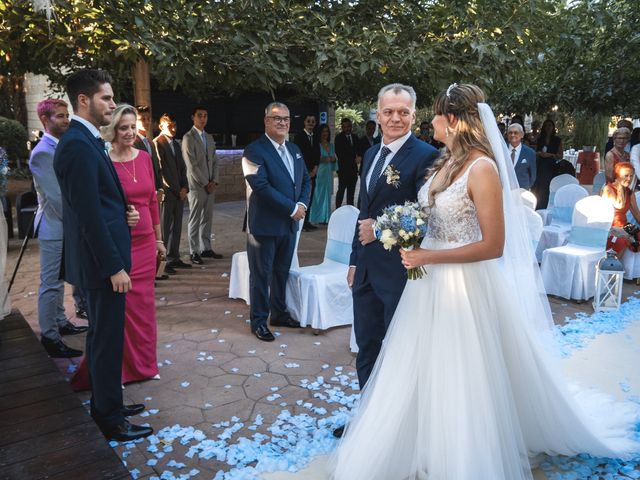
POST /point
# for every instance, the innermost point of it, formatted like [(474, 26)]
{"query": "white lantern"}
[(609, 273)]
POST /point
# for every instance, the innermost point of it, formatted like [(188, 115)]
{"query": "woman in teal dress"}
[(321, 205)]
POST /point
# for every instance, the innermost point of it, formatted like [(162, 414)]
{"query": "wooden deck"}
[(45, 432)]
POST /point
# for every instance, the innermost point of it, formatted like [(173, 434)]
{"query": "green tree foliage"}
[(332, 49)]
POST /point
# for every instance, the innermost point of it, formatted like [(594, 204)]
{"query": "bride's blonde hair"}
[(461, 101)]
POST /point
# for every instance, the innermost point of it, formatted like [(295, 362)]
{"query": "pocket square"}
[(524, 160), (298, 155)]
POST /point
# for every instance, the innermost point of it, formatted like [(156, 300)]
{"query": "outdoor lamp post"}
[(609, 273)]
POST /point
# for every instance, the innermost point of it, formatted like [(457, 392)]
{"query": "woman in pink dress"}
[(135, 172)]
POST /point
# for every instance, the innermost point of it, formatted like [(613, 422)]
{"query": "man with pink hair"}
[(54, 115)]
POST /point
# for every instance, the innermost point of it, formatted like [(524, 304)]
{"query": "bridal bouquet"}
[(405, 226)]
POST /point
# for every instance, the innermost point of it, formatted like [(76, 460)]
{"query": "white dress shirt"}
[(394, 146), (92, 128), (51, 137)]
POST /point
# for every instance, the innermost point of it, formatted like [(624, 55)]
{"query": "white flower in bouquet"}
[(404, 226)]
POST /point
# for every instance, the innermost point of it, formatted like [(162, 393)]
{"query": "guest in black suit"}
[(145, 132), (346, 151), (97, 245), (368, 140), (309, 144), (173, 173)]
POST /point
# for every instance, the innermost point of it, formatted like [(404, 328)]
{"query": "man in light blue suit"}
[(523, 157), (54, 116), (278, 188)]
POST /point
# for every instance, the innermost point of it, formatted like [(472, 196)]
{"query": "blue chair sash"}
[(552, 197), (589, 236), (561, 214), (338, 251)]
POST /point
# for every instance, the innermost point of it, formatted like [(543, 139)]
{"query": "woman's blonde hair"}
[(621, 132), (461, 101), (108, 132)]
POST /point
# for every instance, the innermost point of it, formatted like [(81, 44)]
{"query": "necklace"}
[(132, 175)]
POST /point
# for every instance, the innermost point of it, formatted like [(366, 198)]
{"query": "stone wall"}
[(232, 186)]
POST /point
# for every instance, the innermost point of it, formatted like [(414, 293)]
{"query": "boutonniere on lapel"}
[(393, 176)]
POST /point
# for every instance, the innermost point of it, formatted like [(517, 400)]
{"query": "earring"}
[(446, 131)]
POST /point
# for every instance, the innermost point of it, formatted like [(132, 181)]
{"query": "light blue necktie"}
[(377, 169), (285, 159), (204, 141)]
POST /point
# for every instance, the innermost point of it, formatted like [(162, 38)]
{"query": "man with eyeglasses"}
[(278, 190)]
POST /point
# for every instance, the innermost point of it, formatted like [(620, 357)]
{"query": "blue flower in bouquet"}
[(403, 226)]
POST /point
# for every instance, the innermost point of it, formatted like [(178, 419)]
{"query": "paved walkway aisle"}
[(213, 370)]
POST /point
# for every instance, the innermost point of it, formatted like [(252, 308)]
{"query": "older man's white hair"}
[(516, 126), (398, 88), (273, 105)]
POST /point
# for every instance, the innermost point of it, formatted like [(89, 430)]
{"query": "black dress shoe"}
[(263, 333), (164, 276), (195, 258), (211, 254), (71, 329), (179, 264), (125, 432), (170, 270), (285, 322), (338, 432), (57, 349), (82, 313), (133, 409)]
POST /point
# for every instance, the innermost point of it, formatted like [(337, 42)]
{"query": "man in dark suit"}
[(278, 189), (174, 181), (368, 140), (145, 132), (309, 144), (522, 157), (346, 151), (376, 276), (97, 245)]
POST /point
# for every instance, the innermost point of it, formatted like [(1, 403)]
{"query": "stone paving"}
[(213, 369)]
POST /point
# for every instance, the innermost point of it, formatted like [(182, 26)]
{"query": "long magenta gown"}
[(139, 360)]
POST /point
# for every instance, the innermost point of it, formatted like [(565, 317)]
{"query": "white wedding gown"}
[(462, 390)]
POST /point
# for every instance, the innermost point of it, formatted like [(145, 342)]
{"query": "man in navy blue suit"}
[(278, 188), (97, 245), (376, 276), (522, 157)]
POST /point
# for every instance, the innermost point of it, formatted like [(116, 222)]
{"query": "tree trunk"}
[(142, 83)]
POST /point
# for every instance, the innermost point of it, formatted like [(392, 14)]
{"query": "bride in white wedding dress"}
[(468, 385)]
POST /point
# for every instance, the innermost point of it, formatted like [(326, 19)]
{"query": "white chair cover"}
[(557, 234), (5, 302), (318, 295), (239, 277), (631, 260), (598, 182), (528, 198), (555, 185), (534, 224), (569, 271)]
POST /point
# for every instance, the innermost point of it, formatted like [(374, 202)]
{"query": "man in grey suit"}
[(54, 115), (523, 157), (199, 153), (174, 179)]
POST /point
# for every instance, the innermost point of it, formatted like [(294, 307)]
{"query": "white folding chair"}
[(569, 271), (631, 260), (239, 277), (556, 183), (598, 182), (528, 198), (557, 234), (318, 295), (534, 225)]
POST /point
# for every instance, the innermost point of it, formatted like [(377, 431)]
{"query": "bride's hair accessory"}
[(451, 87)]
